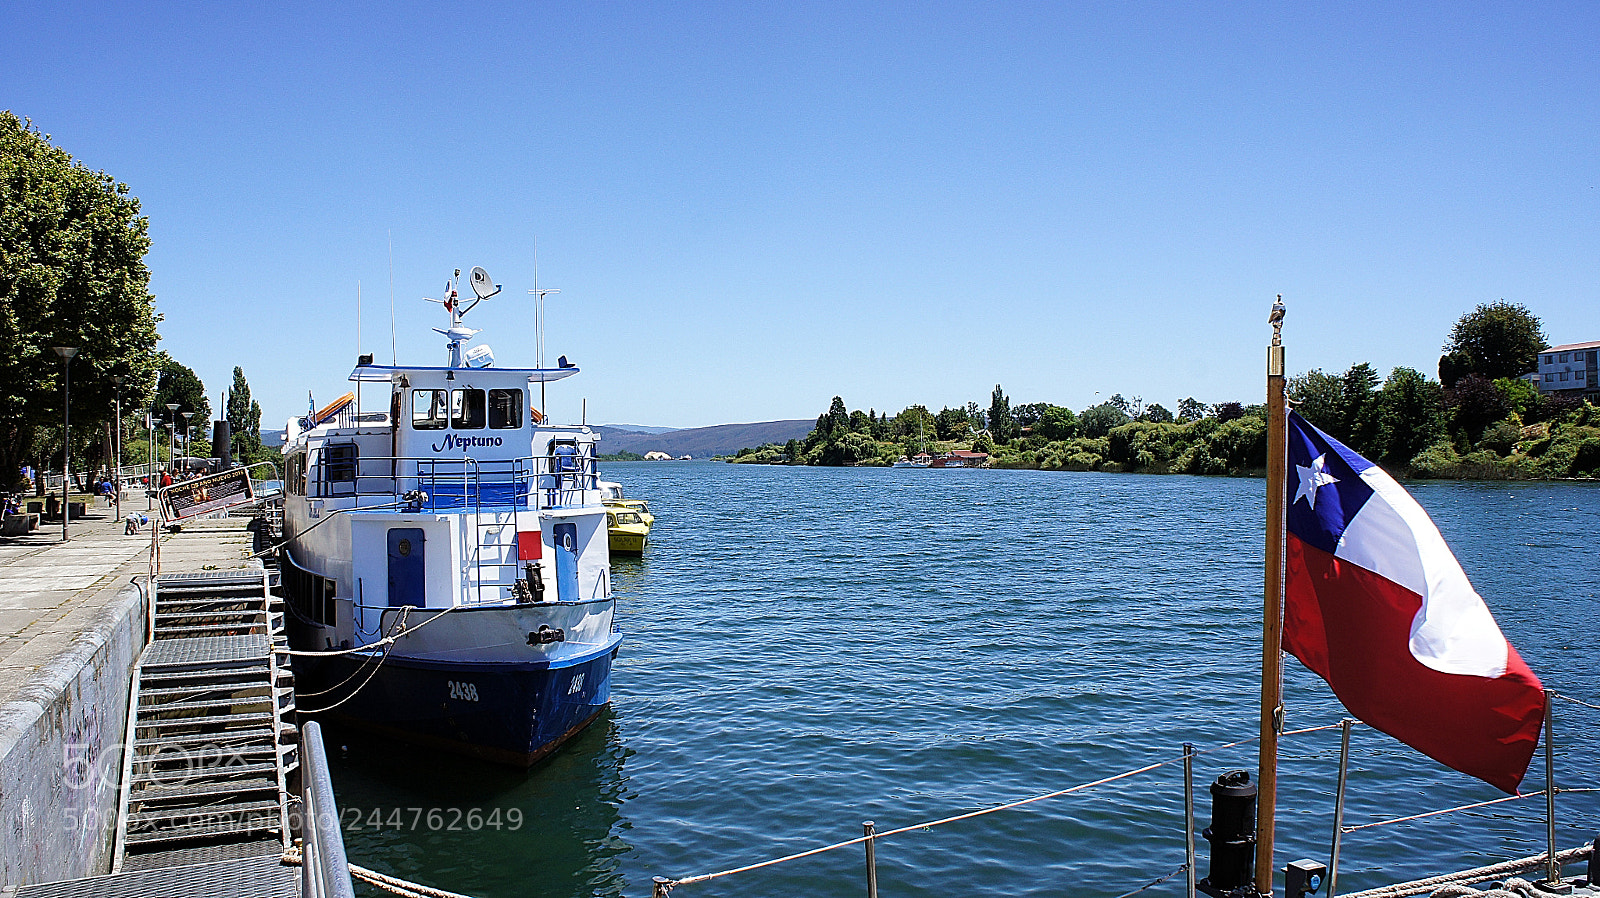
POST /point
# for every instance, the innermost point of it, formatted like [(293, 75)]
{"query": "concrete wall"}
[(61, 751)]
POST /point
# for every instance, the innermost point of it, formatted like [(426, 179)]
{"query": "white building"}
[(1570, 367)]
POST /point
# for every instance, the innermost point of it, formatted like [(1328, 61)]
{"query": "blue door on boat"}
[(408, 571), (565, 536)]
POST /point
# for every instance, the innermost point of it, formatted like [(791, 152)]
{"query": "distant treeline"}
[(1482, 424)]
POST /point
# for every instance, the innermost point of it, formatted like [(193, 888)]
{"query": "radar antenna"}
[(483, 288)]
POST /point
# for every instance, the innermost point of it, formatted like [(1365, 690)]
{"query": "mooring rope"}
[(1424, 886), (1574, 700), (293, 857), (1152, 884)]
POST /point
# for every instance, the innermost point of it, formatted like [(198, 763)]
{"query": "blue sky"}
[(752, 207)]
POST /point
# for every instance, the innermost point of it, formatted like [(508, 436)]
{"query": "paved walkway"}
[(50, 590)]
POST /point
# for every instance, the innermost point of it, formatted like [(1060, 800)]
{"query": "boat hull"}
[(506, 713)]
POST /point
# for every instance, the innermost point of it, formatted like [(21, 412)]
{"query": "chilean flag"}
[(1375, 603)]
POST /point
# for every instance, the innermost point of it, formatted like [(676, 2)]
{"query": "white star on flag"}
[(1312, 479)]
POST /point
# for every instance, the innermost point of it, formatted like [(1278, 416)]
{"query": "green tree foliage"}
[(1191, 409), (72, 273), (953, 423), (915, 422), (1027, 414), (1057, 423), (1409, 415), (1002, 427), (1098, 420), (1227, 411), (244, 421), (1156, 413), (179, 384), (1358, 410), (1316, 396), (1522, 398), (1497, 339)]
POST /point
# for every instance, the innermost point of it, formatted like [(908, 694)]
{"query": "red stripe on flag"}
[(1352, 628)]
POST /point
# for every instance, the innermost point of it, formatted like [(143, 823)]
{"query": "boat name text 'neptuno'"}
[(451, 441)]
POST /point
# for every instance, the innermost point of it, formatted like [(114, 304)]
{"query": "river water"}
[(809, 648)]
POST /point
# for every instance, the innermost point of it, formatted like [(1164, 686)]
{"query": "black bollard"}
[(1232, 835)]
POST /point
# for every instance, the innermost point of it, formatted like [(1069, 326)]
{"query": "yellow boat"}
[(611, 495), (627, 530)]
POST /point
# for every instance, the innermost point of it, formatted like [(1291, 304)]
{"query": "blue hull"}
[(506, 713)]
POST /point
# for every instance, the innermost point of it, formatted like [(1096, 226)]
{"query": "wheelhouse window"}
[(466, 409), (428, 410), (340, 463), (505, 409)]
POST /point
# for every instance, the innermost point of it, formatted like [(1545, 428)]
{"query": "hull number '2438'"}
[(466, 692)]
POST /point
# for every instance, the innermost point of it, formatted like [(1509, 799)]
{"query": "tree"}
[(1227, 411), (1156, 413), (1057, 423), (72, 273), (1098, 420), (1191, 409), (1316, 396), (1497, 339), (179, 384), (915, 422), (1358, 409), (1028, 414), (1409, 415), (953, 423), (1475, 403), (244, 420), (1002, 427)]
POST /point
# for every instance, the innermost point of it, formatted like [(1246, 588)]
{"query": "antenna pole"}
[(394, 352), (358, 344), (538, 325), (1272, 616)]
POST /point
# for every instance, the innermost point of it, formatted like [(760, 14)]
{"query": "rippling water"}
[(808, 648)]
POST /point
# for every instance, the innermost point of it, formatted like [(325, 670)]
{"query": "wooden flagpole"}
[(1272, 617)]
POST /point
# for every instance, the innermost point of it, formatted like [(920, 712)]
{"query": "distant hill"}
[(703, 442), (639, 428)]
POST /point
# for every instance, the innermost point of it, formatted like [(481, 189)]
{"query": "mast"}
[(1272, 616)]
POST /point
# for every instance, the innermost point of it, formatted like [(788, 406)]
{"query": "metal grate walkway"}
[(211, 748)]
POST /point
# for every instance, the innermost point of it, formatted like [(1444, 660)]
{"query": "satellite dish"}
[(481, 284)]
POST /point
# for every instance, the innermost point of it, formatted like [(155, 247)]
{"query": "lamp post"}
[(186, 452), (150, 463), (116, 478), (66, 353), (172, 436)]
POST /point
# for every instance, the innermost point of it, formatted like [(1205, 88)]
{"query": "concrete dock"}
[(72, 624)]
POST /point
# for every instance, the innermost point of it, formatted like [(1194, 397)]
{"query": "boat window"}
[(340, 464), (505, 409), (466, 409), (428, 410)]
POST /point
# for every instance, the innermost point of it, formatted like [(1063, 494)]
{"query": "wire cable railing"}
[(1551, 859)]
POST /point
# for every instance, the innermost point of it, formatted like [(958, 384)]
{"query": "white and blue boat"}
[(446, 564)]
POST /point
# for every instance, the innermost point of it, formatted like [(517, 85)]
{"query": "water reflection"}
[(463, 825)]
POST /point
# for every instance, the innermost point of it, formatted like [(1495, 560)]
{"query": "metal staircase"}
[(212, 746)]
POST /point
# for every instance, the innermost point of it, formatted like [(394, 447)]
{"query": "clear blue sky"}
[(752, 207)]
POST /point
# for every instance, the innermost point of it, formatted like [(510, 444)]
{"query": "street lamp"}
[(116, 479), (66, 353), (186, 452), (172, 435), (150, 462)]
